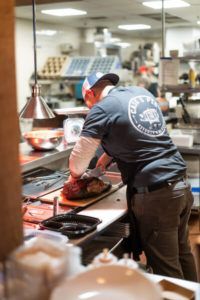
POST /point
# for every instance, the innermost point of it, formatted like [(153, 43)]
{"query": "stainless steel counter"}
[(54, 159)]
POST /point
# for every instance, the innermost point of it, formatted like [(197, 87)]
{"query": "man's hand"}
[(104, 162), (164, 104), (72, 179)]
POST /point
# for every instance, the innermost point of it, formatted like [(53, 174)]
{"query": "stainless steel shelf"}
[(189, 57), (180, 89)]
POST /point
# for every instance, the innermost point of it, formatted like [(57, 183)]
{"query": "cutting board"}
[(80, 203)]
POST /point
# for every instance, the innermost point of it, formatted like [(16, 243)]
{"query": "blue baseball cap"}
[(92, 79)]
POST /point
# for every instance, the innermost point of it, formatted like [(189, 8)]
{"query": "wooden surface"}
[(78, 203), (10, 179)]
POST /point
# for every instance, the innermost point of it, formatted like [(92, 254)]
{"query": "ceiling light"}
[(198, 22), (134, 27), (62, 12), (123, 44), (167, 4), (46, 32), (115, 40)]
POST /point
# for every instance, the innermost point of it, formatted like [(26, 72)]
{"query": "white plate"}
[(107, 283)]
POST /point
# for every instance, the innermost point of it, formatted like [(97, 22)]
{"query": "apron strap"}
[(134, 238)]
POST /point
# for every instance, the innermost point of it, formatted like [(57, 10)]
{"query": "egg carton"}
[(53, 67)]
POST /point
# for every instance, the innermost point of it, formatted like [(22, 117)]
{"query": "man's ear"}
[(89, 98), (89, 93), (94, 93)]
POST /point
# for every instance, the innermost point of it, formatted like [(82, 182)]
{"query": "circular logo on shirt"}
[(146, 116)]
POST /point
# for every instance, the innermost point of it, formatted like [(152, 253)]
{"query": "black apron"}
[(133, 241)]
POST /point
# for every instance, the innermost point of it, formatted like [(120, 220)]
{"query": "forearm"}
[(82, 154)]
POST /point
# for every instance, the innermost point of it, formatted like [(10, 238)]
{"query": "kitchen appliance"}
[(72, 129)]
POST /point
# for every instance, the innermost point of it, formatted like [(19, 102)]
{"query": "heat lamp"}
[(36, 107)]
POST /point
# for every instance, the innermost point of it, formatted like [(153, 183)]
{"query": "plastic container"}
[(48, 234), (71, 225), (74, 266), (35, 268), (105, 258), (128, 262)]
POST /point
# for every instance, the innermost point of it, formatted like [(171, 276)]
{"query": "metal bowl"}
[(44, 139)]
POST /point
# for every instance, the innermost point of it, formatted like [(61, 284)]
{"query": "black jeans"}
[(162, 217)]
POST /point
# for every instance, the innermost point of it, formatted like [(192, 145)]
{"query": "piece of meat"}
[(84, 188)]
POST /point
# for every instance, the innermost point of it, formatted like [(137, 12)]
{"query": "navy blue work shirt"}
[(132, 130)]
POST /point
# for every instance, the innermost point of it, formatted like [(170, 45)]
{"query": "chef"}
[(129, 124), (149, 80)]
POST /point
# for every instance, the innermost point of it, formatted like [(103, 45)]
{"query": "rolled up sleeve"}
[(82, 154)]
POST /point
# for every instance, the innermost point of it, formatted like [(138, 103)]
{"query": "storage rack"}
[(80, 66)]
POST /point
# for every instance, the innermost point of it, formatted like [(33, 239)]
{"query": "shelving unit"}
[(189, 57), (60, 76), (167, 66), (183, 91)]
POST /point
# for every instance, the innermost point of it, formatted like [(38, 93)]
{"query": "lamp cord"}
[(163, 29), (34, 41)]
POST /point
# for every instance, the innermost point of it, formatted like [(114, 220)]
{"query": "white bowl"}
[(108, 282)]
